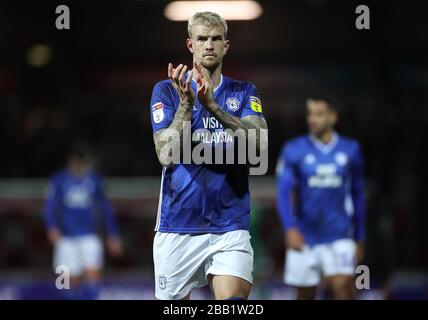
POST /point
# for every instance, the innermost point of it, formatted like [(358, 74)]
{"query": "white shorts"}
[(184, 261), (305, 268), (79, 253)]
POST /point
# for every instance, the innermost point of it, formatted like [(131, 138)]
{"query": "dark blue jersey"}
[(73, 202), (204, 198), (327, 180)]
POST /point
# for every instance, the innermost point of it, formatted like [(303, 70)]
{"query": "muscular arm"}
[(166, 136), (168, 141), (234, 123), (357, 191), (52, 204), (249, 122)]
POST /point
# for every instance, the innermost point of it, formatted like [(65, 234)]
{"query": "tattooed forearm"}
[(234, 123), (173, 135), (247, 123)]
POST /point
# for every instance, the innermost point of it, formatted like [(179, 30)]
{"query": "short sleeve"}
[(252, 103), (162, 107)]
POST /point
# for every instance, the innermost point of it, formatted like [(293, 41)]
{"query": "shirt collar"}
[(325, 147), (219, 85)]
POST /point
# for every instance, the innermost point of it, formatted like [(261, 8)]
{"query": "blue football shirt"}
[(73, 203), (204, 198), (327, 181)]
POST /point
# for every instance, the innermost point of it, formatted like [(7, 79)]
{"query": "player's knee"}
[(308, 293), (232, 289), (342, 288), (92, 274)]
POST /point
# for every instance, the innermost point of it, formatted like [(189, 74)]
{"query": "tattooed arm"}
[(173, 135), (234, 123), (248, 123), (168, 141)]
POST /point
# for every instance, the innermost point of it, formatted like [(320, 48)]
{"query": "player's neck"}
[(78, 173), (326, 137), (216, 76)]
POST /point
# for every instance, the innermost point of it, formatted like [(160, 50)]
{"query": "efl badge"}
[(232, 104), (256, 104), (158, 113)]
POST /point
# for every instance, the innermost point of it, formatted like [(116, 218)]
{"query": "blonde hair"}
[(207, 18)]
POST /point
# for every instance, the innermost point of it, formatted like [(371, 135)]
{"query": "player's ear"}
[(189, 45), (226, 46)]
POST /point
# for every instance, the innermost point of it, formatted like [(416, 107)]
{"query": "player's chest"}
[(78, 194), (202, 119), (329, 169)]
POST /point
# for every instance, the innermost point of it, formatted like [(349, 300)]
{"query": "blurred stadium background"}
[(94, 81)]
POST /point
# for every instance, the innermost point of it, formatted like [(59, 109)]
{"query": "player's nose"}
[(209, 44)]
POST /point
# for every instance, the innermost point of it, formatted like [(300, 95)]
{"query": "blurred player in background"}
[(320, 200), (202, 230), (75, 198)]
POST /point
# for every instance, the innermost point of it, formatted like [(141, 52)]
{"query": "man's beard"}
[(212, 67), (321, 132)]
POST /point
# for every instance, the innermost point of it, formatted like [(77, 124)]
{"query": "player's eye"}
[(202, 38), (217, 38)]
